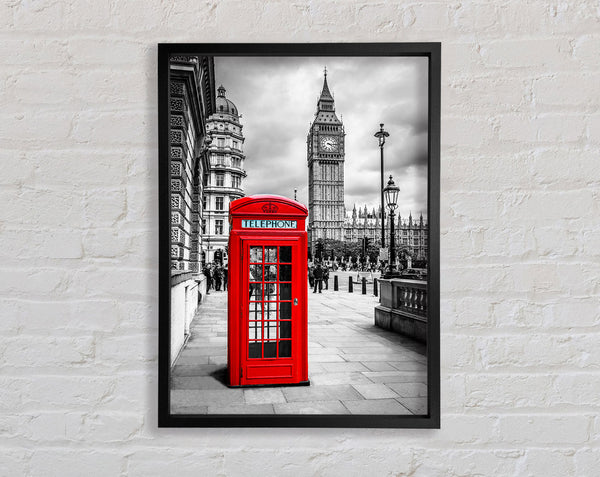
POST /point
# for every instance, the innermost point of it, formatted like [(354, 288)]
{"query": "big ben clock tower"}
[(325, 154)]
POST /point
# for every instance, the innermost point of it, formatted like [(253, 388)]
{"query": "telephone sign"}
[(267, 339)]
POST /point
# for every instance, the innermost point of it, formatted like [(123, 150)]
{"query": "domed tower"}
[(325, 156), (223, 182)]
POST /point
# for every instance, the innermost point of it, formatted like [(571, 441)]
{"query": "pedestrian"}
[(318, 273), (208, 275), (311, 276), (217, 278), (225, 278), (326, 277)]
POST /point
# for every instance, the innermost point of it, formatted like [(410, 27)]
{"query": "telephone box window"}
[(270, 307)]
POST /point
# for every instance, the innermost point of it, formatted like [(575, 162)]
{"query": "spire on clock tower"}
[(325, 93)]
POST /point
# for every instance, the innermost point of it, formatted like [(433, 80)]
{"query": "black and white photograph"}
[(299, 235)]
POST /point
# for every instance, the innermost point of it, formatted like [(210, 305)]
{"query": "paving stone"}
[(189, 409), (340, 378), (409, 389), (344, 367), (378, 366), (312, 407), (375, 391), (325, 358), (376, 406), (396, 377), (196, 382), (409, 366), (321, 393), (205, 397), (241, 409), (417, 406), (217, 360), (194, 370), (192, 360), (263, 396)]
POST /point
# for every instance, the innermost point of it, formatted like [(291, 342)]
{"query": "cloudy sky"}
[(277, 98)]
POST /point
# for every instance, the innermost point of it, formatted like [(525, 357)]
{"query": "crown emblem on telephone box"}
[(270, 208)]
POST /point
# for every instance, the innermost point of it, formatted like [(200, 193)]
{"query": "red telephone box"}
[(267, 292)]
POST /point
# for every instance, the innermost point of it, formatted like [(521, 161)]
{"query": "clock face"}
[(329, 143)]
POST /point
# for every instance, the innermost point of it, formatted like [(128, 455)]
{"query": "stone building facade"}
[(223, 178), (191, 101), (325, 156), (411, 236)]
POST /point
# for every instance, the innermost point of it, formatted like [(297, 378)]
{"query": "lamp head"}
[(391, 194)]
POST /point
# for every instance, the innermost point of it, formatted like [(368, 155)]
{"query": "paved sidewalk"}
[(354, 367)]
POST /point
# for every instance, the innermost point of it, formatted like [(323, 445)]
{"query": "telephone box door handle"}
[(295, 301)]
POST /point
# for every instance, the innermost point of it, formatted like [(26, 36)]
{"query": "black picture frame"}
[(432, 419)]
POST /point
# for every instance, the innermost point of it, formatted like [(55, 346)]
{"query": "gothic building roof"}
[(223, 105)]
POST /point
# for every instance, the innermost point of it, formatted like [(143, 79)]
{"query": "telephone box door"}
[(272, 336)]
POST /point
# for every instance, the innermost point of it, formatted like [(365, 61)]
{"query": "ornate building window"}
[(218, 227), (219, 203), (220, 180), (236, 182)]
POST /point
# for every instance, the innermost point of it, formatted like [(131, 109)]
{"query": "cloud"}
[(278, 96)]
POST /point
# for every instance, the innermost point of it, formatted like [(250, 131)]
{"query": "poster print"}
[(299, 235)]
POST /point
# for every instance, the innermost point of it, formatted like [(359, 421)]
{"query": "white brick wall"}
[(520, 239)]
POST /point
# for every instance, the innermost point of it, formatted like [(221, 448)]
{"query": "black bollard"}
[(335, 283), (350, 290), (364, 286), (375, 286)]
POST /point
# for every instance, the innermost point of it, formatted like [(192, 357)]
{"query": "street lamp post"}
[(391, 196), (381, 135)]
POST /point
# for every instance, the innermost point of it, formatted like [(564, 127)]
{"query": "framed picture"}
[(299, 235)]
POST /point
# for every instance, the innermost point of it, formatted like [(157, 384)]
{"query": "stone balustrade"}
[(403, 307)]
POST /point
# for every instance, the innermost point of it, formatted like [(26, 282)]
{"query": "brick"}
[(469, 462), (468, 430), (576, 389), (42, 352), (508, 391), (63, 317), (549, 462), (466, 132), (549, 128), (42, 208), (145, 461), (524, 53), (59, 462), (132, 349), (103, 427), (105, 209), (587, 461), (586, 50), (536, 350), (44, 87), (572, 314), (47, 393), (98, 129), (14, 461), (581, 89), (428, 17), (542, 429), (64, 168), (99, 51)]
